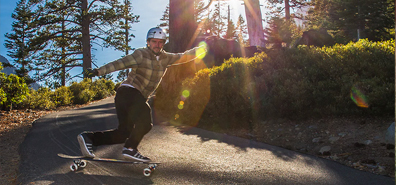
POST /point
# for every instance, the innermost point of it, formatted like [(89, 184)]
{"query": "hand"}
[(89, 73)]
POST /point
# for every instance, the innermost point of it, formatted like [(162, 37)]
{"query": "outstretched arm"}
[(122, 63), (189, 55)]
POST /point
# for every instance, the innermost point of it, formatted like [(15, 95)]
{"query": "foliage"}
[(281, 32), (15, 90), (19, 42), (3, 95), (86, 90), (373, 18), (82, 92), (40, 99), (62, 96), (103, 88), (296, 83)]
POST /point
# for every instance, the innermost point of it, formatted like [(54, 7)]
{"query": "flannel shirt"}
[(147, 71)]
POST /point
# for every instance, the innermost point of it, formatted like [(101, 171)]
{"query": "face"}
[(156, 45)]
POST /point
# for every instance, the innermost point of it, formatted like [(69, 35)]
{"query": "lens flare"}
[(180, 106), (177, 116), (186, 93), (201, 51), (358, 97)]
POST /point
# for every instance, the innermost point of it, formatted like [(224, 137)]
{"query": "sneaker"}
[(133, 154), (86, 146)]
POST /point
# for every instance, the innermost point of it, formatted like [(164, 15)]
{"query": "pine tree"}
[(120, 36), (241, 31), (231, 30), (354, 19), (218, 20), (69, 28), (165, 18), (19, 41)]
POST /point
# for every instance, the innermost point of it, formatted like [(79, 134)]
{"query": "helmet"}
[(156, 33)]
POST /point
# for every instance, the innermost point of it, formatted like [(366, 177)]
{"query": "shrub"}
[(62, 96), (81, 91), (297, 83), (103, 88), (14, 89), (40, 99)]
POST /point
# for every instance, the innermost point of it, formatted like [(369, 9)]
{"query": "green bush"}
[(3, 95), (81, 91), (14, 90), (297, 83), (62, 96), (40, 99), (103, 88)]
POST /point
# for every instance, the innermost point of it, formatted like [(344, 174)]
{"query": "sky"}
[(150, 12)]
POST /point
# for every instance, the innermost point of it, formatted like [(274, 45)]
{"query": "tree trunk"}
[(254, 23), (86, 43), (287, 10), (182, 25)]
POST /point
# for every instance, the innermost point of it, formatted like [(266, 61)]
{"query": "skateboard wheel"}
[(83, 164), (73, 167), (146, 172)]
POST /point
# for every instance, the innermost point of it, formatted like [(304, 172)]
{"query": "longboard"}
[(81, 162)]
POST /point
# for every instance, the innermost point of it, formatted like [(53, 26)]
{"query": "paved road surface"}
[(189, 156)]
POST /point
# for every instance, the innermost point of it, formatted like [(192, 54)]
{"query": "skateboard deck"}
[(81, 162)]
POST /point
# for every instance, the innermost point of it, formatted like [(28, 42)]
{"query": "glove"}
[(89, 73)]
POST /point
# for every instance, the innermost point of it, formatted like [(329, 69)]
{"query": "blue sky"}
[(150, 12)]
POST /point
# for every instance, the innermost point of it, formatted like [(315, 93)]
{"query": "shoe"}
[(86, 146), (133, 154)]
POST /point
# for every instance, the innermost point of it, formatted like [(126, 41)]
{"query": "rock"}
[(316, 140), (333, 139), (390, 134), (367, 142), (325, 150), (313, 127), (342, 134), (299, 134)]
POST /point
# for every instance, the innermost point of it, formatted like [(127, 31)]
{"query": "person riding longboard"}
[(148, 65)]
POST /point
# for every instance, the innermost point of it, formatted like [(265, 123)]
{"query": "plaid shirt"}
[(147, 71)]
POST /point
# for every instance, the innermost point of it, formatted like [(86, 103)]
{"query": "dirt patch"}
[(355, 142)]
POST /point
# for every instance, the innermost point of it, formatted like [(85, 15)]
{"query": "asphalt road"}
[(188, 156)]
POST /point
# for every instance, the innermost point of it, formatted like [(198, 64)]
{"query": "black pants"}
[(134, 120)]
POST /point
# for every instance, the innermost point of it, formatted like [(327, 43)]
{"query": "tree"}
[(120, 36), (182, 24), (183, 27), (87, 22), (241, 31), (254, 23), (62, 50), (165, 18), (281, 32), (19, 41), (218, 20), (231, 30), (354, 19), (282, 8)]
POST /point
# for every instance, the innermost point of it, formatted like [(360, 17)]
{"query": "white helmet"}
[(156, 33)]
